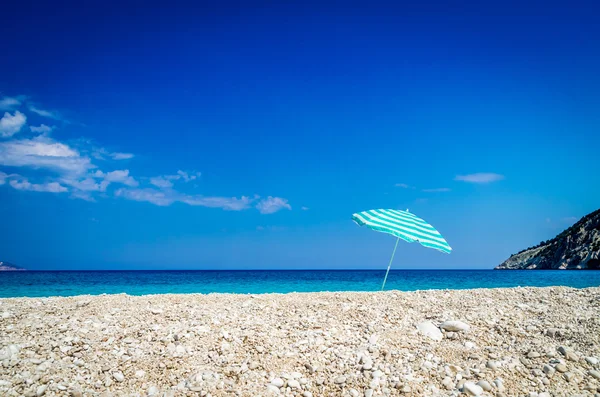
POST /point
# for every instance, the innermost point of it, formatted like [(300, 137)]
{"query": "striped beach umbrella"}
[(404, 225)]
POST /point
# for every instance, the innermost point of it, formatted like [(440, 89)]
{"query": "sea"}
[(70, 283)]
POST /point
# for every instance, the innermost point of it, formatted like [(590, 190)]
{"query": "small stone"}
[(140, 373), (367, 366), (277, 382), (499, 385), (406, 389), (118, 376), (484, 385), (340, 380), (354, 392), (307, 394), (472, 389), (369, 393), (561, 368), (448, 383), (75, 393), (536, 372), (377, 374), (569, 376), (533, 354), (253, 365), (152, 391), (493, 365), (592, 361), (294, 384), (469, 345), (41, 390), (594, 374), (548, 370), (429, 330), (568, 353), (272, 390), (454, 326)]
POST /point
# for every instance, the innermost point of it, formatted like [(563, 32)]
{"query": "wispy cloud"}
[(166, 198), (480, 177), (304, 208), (437, 190), (226, 203), (10, 124), (570, 219), (86, 184), (166, 181), (121, 156), (55, 166), (150, 195), (10, 103), (272, 204), (51, 187), (45, 113), (42, 129), (162, 182), (100, 153), (404, 186), (43, 152), (118, 176)]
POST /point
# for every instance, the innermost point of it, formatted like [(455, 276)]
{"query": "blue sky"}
[(236, 136)]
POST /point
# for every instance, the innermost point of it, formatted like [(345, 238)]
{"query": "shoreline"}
[(234, 294), (512, 341)]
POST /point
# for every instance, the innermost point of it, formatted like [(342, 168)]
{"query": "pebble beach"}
[(484, 342)]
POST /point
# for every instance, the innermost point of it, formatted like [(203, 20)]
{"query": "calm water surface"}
[(68, 283)]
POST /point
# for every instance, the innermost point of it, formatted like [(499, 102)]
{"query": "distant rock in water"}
[(9, 267), (576, 248)]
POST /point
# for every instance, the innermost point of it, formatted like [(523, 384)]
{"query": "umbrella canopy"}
[(405, 226)]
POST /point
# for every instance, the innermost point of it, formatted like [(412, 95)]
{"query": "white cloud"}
[(305, 208), (162, 182), (437, 190), (87, 184), (226, 203), (43, 152), (404, 186), (121, 156), (11, 124), (45, 113), (9, 103), (166, 181), (168, 197), (24, 184), (187, 177), (100, 153), (118, 176), (3, 177), (42, 129), (153, 196), (480, 177), (271, 205)]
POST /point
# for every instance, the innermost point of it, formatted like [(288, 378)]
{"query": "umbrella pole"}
[(390, 264)]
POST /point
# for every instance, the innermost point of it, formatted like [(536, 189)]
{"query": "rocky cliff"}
[(576, 248)]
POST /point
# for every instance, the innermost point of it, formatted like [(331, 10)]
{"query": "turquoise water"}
[(18, 284)]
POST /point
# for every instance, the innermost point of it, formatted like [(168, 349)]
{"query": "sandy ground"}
[(502, 342)]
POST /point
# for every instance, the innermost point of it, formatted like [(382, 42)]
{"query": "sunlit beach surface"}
[(502, 342)]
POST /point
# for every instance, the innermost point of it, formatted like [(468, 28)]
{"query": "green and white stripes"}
[(404, 225)]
